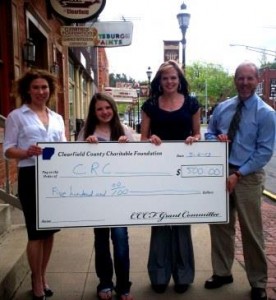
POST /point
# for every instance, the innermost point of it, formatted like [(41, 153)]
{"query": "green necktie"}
[(234, 125)]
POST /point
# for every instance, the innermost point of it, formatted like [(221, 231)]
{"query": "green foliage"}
[(122, 107), (270, 65), (113, 78), (211, 81)]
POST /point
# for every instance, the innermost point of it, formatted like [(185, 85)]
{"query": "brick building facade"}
[(267, 86), (77, 69)]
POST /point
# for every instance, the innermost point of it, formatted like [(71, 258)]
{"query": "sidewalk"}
[(71, 272)]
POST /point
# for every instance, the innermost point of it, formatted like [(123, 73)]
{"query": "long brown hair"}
[(91, 122), (155, 88)]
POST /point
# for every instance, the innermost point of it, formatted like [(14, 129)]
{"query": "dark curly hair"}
[(22, 85)]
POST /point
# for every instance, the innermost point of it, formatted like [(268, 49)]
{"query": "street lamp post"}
[(129, 116), (133, 114), (206, 102), (149, 73), (138, 110), (183, 20)]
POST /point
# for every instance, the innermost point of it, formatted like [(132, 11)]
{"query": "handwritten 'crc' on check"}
[(98, 170)]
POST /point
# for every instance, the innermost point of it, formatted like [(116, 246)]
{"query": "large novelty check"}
[(112, 184)]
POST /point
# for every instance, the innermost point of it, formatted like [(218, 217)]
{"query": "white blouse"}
[(23, 128)]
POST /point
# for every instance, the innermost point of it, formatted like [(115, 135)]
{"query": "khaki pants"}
[(245, 202)]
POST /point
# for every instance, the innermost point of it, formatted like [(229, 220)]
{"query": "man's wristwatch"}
[(238, 174)]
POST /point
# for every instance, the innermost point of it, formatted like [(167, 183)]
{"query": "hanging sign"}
[(77, 10), (100, 34)]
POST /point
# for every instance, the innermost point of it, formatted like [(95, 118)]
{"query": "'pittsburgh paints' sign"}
[(101, 34), (115, 184)]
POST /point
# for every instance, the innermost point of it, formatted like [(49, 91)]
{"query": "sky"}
[(214, 25)]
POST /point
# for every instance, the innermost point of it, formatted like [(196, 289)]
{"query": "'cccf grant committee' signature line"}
[(160, 216)]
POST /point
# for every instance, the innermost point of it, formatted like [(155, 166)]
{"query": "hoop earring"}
[(179, 87)]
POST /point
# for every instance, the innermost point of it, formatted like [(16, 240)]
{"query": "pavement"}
[(71, 272)]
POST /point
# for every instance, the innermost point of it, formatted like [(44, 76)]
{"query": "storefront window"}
[(84, 105)]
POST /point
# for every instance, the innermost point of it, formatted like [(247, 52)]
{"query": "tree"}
[(270, 65), (209, 81), (114, 78)]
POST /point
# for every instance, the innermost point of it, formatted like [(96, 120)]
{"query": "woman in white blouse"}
[(25, 126)]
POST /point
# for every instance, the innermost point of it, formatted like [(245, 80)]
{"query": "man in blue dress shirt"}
[(251, 149)]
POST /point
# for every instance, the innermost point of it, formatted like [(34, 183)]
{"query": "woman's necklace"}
[(171, 104)]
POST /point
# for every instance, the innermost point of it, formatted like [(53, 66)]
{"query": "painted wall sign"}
[(77, 10), (100, 34)]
